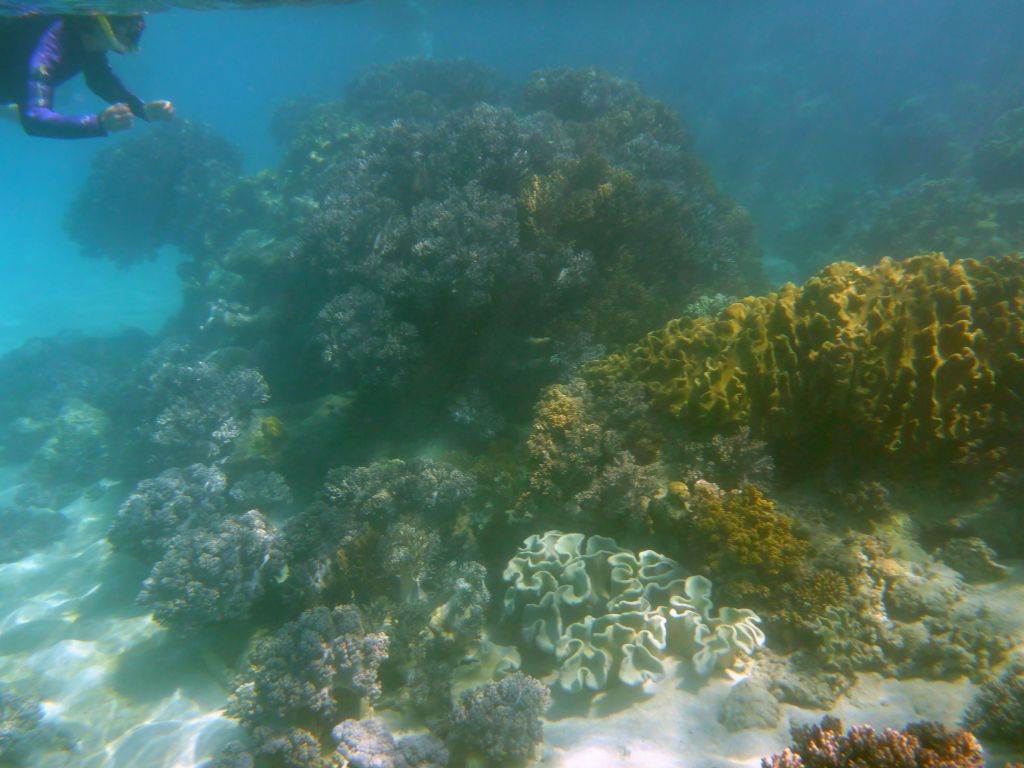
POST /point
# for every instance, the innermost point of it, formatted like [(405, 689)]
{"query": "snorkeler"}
[(38, 53)]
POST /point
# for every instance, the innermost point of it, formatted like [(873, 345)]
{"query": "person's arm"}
[(104, 83), (38, 117)]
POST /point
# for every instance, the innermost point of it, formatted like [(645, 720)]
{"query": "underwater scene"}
[(436, 384)]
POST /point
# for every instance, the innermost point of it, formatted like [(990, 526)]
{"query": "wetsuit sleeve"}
[(104, 83), (37, 115)]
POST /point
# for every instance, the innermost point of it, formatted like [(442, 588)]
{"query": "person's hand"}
[(159, 111), (117, 118)]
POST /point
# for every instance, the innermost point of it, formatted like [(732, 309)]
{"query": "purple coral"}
[(160, 508), (215, 574), (370, 744), (316, 668), (201, 406), (500, 721), (363, 340), (152, 190)]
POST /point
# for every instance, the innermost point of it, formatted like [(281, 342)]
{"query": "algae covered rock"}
[(609, 615), (974, 559), (749, 705)]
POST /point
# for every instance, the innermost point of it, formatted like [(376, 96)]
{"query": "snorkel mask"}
[(122, 33)]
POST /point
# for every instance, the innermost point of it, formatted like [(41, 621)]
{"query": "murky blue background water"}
[(784, 99)]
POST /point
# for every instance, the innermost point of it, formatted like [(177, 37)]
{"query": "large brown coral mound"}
[(921, 358)]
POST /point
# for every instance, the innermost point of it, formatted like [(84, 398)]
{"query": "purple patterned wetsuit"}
[(37, 55)]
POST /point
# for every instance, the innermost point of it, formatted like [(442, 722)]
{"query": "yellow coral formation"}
[(914, 357), (818, 591), (559, 430), (742, 527)]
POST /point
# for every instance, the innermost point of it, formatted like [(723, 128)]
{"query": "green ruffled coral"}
[(610, 615)]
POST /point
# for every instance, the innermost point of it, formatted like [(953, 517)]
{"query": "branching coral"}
[(917, 360), (214, 574), (310, 673), (500, 721), (731, 461), (152, 190), (420, 89), (174, 502), (363, 340), (200, 406), (460, 250), (369, 744), (386, 509), (583, 452), (920, 745)]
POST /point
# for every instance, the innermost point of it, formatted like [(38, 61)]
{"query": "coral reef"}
[(915, 360), (152, 190), (214, 574), (365, 514), (920, 745), (500, 721), (997, 711), (369, 744), (452, 238), (199, 406), (174, 502), (609, 615), (310, 674), (430, 256)]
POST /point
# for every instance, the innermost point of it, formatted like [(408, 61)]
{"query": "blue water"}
[(804, 112), (782, 98)]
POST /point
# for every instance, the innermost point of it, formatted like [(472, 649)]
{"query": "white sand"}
[(71, 636)]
